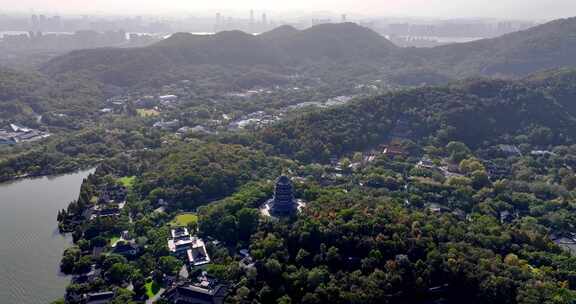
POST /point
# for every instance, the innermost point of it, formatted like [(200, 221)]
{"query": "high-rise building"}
[(344, 18), (57, 23), (34, 22), (251, 24), (42, 21), (218, 24)]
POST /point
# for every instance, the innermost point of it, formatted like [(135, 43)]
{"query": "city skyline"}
[(508, 9)]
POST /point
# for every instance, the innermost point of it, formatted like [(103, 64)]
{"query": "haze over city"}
[(518, 9)]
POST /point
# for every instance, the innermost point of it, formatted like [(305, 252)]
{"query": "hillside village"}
[(19, 134)]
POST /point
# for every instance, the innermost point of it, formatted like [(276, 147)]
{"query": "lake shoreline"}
[(8, 181), (32, 244)]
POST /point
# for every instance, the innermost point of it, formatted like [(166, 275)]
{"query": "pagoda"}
[(283, 203)]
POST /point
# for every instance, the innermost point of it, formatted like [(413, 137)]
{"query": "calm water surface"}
[(30, 245)]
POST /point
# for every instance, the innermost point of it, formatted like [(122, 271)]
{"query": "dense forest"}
[(349, 248), (477, 112), (192, 175), (64, 101)]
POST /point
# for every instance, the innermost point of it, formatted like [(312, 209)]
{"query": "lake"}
[(30, 245)]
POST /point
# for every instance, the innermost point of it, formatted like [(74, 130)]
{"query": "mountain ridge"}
[(517, 54), (281, 47), (543, 47)]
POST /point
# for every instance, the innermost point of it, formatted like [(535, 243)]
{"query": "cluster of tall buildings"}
[(72, 23), (454, 28), (255, 23), (24, 34), (41, 23), (258, 22), (44, 41)]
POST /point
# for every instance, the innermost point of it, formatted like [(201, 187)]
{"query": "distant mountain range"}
[(548, 46)]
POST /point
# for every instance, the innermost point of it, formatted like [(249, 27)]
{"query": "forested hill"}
[(538, 110), (14, 83), (543, 47), (561, 84), (183, 51), (26, 95), (344, 41)]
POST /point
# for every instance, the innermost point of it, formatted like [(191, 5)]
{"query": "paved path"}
[(183, 273), (156, 297)]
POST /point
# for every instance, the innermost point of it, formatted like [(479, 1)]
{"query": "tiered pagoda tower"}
[(283, 203)]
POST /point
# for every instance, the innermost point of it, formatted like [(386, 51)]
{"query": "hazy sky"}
[(513, 9)]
